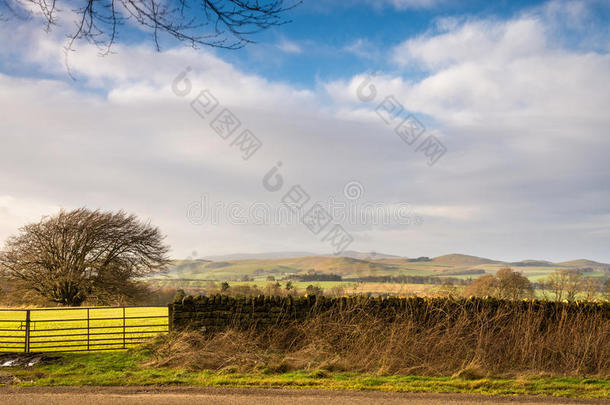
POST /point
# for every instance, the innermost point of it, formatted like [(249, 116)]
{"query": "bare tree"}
[(513, 285), (574, 285), (84, 255), (218, 23), (482, 286), (505, 284), (555, 285), (564, 284), (591, 288)]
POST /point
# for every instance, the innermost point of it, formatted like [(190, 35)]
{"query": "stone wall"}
[(216, 313)]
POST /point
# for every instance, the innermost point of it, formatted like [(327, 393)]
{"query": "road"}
[(201, 395)]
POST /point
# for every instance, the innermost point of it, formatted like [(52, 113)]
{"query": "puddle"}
[(23, 359)]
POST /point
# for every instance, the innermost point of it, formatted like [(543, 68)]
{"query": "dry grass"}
[(494, 341)]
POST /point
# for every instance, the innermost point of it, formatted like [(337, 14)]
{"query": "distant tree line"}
[(402, 279), (312, 275), (420, 259), (571, 285), (468, 272), (562, 285)]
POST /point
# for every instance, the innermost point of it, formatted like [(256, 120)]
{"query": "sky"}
[(409, 127)]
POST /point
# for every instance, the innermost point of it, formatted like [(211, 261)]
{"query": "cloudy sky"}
[(516, 94)]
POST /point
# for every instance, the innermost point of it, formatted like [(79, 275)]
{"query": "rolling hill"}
[(584, 263), (260, 267), (463, 260)]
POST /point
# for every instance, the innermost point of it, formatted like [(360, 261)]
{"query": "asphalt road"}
[(204, 395)]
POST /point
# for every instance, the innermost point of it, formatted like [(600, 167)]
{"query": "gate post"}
[(170, 317), (123, 327), (26, 346), (88, 330)]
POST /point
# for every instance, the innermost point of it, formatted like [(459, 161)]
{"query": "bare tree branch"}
[(227, 24)]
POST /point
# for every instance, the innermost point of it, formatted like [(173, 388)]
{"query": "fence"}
[(79, 329)]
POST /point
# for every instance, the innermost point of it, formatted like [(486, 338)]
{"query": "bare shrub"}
[(493, 339)]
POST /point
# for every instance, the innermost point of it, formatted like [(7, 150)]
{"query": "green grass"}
[(50, 328), (128, 368)]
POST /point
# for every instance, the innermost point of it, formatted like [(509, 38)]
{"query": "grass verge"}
[(127, 368)]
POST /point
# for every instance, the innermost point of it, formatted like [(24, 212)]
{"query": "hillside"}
[(463, 260), (367, 255), (584, 263), (356, 265)]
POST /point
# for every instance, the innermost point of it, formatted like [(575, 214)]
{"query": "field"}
[(347, 287), (356, 270), (79, 329)]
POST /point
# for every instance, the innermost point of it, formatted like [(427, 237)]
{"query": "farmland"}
[(361, 265), (357, 272), (79, 329)]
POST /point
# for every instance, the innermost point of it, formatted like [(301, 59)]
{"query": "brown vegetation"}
[(500, 339), (569, 285)]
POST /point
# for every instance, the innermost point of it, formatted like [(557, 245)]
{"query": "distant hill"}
[(367, 256), (262, 267), (288, 255), (186, 266), (280, 267), (217, 265), (583, 263), (463, 260)]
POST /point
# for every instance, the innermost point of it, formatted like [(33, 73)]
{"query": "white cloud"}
[(363, 48), (15, 212), (509, 70), (289, 46), (408, 4), (452, 212), (480, 41)]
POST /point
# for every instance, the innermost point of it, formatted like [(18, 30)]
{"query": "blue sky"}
[(332, 39), (325, 32), (518, 94)]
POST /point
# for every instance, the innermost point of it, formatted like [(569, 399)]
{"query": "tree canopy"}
[(82, 255), (505, 284)]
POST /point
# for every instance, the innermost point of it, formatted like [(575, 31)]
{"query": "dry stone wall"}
[(218, 312)]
